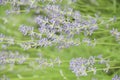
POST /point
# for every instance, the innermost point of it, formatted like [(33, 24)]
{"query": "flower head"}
[(116, 77)]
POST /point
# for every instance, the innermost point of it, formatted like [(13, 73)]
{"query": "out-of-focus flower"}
[(4, 77), (8, 57), (115, 33), (116, 77)]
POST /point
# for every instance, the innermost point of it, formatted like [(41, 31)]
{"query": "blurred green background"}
[(105, 8)]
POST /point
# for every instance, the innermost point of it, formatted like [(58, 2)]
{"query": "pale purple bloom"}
[(114, 32), (8, 57), (81, 66), (26, 29), (0, 1), (116, 77), (43, 62)]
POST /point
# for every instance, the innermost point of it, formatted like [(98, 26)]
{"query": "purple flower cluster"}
[(59, 27), (89, 42), (28, 5), (81, 66), (5, 39), (115, 33), (43, 62), (26, 29), (9, 58), (116, 77), (0, 1), (12, 58)]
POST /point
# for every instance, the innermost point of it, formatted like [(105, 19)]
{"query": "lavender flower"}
[(44, 42), (27, 45), (0, 1), (116, 77), (6, 39), (12, 58), (87, 40), (81, 66), (55, 23), (115, 33), (58, 22), (43, 62), (58, 27), (26, 29)]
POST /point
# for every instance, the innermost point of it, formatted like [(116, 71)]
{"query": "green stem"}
[(100, 69), (108, 44), (114, 6)]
